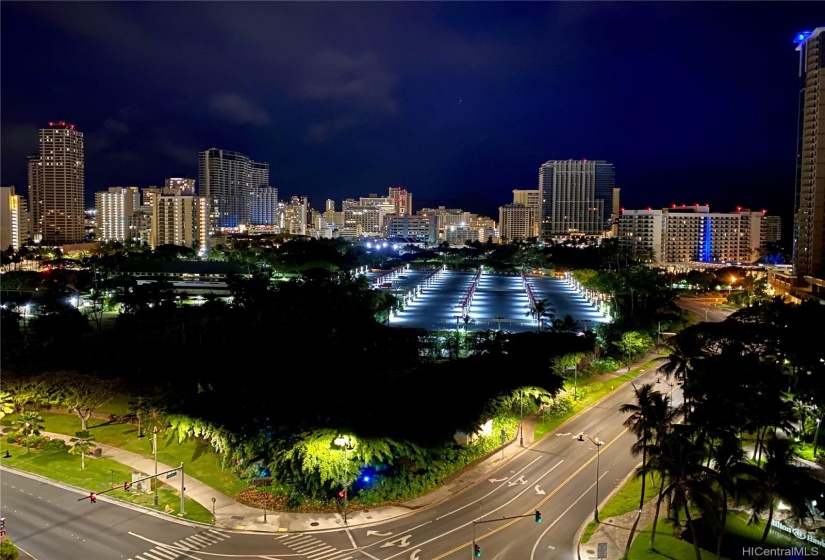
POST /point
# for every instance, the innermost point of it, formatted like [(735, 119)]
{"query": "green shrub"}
[(37, 442), (604, 365), (561, 406), (15, 438), (8, 551), (54, 445), (595, 387)]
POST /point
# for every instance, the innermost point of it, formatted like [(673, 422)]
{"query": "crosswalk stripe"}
[(326, 553), (308, 546), (164, 552), (199, 538), (218, 534), (183, 544), (152, 556)]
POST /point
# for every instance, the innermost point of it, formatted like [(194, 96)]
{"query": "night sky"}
[(458, 102)]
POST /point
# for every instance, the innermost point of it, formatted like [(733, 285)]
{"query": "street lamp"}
[(730, 286), (155, 447), (598, 443), (347, 444), (670, 394)]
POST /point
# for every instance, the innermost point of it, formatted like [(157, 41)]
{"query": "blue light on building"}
[(705, 255), (800, 37)]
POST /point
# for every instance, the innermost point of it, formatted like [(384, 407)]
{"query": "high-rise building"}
[(684, 234), (264, 206), (809, 219), (14, 222), (576, 197), (115, 209), (516, 222), (179, 185), (294, 216), (56, 185), (180, 220), (402, 200), (226, 180), (532, 199)]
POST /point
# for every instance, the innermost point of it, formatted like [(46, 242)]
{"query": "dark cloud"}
[(445, 98), (236, 109)]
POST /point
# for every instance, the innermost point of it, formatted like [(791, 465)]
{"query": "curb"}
[(104, 498)]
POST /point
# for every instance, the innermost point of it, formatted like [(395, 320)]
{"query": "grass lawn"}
[(624, 501), (98, 476), (199, 460), (739, 536)]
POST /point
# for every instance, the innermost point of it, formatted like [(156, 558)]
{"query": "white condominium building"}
[(691, 234), (180, 220), (115, 209)]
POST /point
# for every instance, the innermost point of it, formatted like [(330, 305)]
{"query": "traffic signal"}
[(93, 497), (341, 494), (477, 551), (538, 516), (127, 486)]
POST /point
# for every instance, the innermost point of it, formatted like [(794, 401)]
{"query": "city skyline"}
[(459, 103)]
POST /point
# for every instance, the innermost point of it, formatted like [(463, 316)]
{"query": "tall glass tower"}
[(809, 207), (57, 178), (576, 197), (227, 180)]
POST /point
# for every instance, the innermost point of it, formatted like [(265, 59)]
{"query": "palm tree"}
[(81, 447), (684, 479), (539, 309), (779, 477), (28, 424), (729, 464), (649, 417), (6, 404)]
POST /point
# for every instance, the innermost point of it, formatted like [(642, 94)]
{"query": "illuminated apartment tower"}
[(180, 220), (809, 219), (226, 180), (56, 185), (576, 197), (402, 200), (115, 209), (14, 230), (531, 199)]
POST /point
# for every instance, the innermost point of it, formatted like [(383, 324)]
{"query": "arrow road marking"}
[(378, 534), (539, 490), (494, 480), (414, 555), (519, 480), (402, 542)]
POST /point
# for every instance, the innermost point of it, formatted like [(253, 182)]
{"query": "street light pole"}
[(521, 424), (670, 394), (347, 444), (598, 443), (155, 447)]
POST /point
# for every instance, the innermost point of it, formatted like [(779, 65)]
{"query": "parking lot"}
[(499, 301)]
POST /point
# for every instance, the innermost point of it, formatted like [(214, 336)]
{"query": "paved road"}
[(49, 523), (556, 476), (705, 309)]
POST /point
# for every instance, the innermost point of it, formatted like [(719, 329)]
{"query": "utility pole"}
[(155, 447)]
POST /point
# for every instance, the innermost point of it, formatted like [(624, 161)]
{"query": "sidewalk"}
[(232, 514)]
